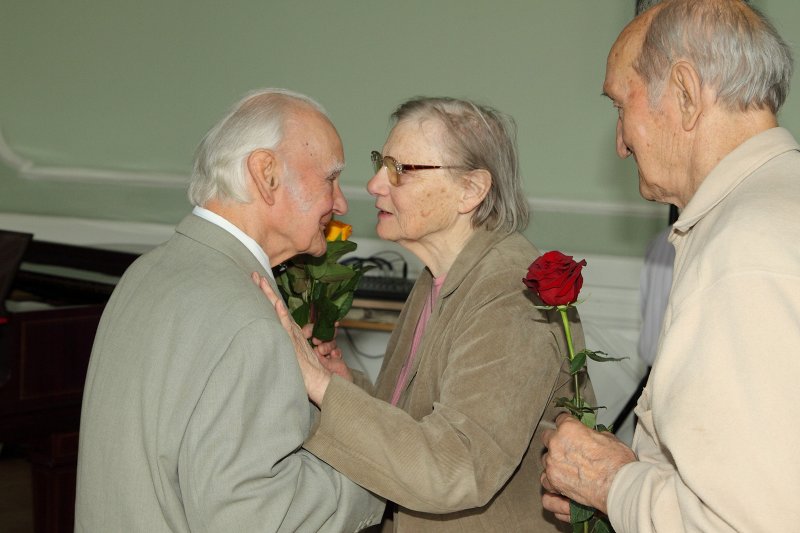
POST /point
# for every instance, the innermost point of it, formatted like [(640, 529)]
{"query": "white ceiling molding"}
[(29, 170)]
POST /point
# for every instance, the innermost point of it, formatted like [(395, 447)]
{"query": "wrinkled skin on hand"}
[(329, 354), (580, 465)]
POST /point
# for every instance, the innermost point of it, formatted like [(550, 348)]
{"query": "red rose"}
[(556, 278)]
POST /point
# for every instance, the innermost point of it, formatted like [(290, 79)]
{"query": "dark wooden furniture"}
[(44, 354)]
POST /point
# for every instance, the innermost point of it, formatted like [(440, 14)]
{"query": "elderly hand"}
[(315, 376), (329, 354), (322, 348), (580, 465)]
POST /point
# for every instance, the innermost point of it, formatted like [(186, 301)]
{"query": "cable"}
[(399, 256), (386, 266), (358, 354), (382, 264), (356, 350)]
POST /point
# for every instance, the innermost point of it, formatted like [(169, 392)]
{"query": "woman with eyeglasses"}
[(450, 433)]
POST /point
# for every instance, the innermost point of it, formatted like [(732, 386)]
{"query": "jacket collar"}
[(481, 242), (732, 170), (213, 236)]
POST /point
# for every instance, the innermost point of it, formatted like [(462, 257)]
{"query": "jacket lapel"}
[(400, 342)]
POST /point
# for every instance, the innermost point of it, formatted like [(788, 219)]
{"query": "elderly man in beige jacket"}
[(697, 84)]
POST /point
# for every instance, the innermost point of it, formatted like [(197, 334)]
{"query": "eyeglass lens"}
[(379, 161)]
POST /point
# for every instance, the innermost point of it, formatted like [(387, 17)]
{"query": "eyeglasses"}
[(394, 169)]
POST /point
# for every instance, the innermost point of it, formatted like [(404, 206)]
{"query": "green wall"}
[(116, 95)]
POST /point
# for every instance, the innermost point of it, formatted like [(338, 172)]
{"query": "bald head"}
[(627, 48)]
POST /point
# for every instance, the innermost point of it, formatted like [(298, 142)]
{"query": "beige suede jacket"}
[(462, 451)]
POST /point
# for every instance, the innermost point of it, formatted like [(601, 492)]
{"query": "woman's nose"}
[(378, 185)]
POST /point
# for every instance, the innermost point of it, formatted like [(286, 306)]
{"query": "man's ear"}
[(262, 166), (476, 185), (686, 83)]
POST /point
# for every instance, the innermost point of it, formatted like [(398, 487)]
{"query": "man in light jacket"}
[(194, 409), (697, 85)]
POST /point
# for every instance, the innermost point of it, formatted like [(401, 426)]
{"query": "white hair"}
[(255, 122)]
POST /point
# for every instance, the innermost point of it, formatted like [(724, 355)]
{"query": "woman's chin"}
[(385, 233)]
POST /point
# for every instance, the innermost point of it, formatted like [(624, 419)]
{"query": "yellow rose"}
[(337, 231)]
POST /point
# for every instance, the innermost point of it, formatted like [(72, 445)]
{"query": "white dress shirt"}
[(244, 238)]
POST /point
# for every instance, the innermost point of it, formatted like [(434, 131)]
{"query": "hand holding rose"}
[(329, 354), (315, 375), (575, 465), (580, 464)]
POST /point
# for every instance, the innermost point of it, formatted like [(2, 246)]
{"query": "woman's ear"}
[(262, 165), (476, 185)]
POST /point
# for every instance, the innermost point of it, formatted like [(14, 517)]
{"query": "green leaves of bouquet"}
[(320, 289)]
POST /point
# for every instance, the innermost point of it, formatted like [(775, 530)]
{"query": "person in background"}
[(450, 432), (697, 85), (655, 283), (194, 409)]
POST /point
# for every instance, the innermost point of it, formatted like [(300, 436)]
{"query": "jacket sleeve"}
[(241, 466), (723, 389), (362, 381), (501, 367)]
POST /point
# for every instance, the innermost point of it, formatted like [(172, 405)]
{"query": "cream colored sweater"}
[(718, 441)]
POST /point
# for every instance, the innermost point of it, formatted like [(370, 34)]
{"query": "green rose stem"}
[(563, 310), (578, 403)]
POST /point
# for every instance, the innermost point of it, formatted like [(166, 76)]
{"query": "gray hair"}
[(479, 138), (255, 122), (734, 48)]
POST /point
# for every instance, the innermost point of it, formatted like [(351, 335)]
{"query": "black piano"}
[(51, 299)]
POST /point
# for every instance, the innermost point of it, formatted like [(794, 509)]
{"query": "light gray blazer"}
[(194, 409)]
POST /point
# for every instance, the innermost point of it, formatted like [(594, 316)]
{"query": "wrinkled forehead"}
[(310, 132), (419, 133), (626, 49)]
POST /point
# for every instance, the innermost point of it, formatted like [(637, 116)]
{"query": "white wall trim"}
[(29, 170), (637, 209)]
